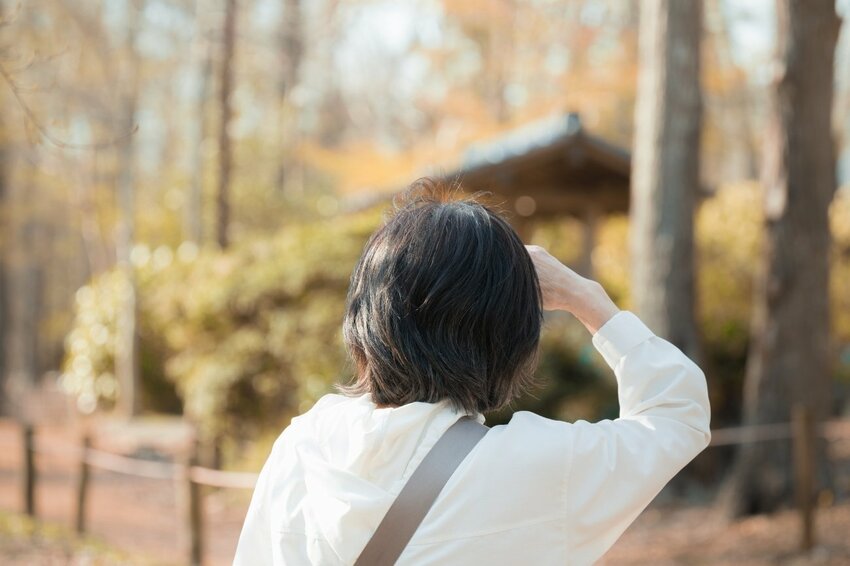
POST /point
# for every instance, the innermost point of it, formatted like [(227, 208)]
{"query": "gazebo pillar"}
[(525, 206), (524, 227), (589, 221)]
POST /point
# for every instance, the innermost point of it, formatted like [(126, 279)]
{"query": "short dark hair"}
[(444, 303)]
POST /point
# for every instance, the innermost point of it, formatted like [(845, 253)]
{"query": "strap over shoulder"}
[(419, 493)]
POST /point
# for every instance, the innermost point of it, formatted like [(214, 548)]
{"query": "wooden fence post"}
[(191, 506), (804, 471), (29, 468), (82, 484)]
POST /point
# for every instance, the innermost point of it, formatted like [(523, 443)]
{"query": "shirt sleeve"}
[(255, 542), (618, 466)]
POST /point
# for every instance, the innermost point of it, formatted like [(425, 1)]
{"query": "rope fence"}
[(831, 430), (189, 477)]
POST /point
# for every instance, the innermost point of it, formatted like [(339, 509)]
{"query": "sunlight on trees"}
[(220, 151)]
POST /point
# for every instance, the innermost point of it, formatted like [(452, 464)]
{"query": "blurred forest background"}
[(186, 185)]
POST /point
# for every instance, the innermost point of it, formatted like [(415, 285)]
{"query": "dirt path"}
[(130, 513)]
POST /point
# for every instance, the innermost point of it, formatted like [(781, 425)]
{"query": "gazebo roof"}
[(555, 162)]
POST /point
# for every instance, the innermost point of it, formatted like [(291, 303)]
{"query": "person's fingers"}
[(561, 287), (564, 289), (551, 275)]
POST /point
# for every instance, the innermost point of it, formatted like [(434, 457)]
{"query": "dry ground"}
[(696, 536), (139, 518)]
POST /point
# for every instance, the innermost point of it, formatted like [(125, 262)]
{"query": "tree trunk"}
[(289, 171), (735, 109), (95, 248), (31, 307), (127, 346), (224, 142), (842, 108), (789, 354), (665, 170), (4, 268), (193, 225), (499, 56), (26, 283)]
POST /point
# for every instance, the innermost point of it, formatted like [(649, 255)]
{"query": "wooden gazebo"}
[(549, 169)]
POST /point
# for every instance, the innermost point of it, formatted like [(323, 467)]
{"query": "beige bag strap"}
[(418, 494)]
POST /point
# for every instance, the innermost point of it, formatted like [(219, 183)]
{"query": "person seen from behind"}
[(443, 320)]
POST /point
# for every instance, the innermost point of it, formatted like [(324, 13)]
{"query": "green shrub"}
[(247, 338)]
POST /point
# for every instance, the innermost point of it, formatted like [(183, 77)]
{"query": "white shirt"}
[(534, 491)]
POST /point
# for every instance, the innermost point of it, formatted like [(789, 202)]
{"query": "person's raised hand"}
[(564, 289)]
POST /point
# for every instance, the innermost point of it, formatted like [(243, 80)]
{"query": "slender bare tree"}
[(789, 354), (225, 149), (127, 346), (289, 169), (4, 282), (193, 226), (665, 169)]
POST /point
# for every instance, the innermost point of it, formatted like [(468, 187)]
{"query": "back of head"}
[(443, 304)]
